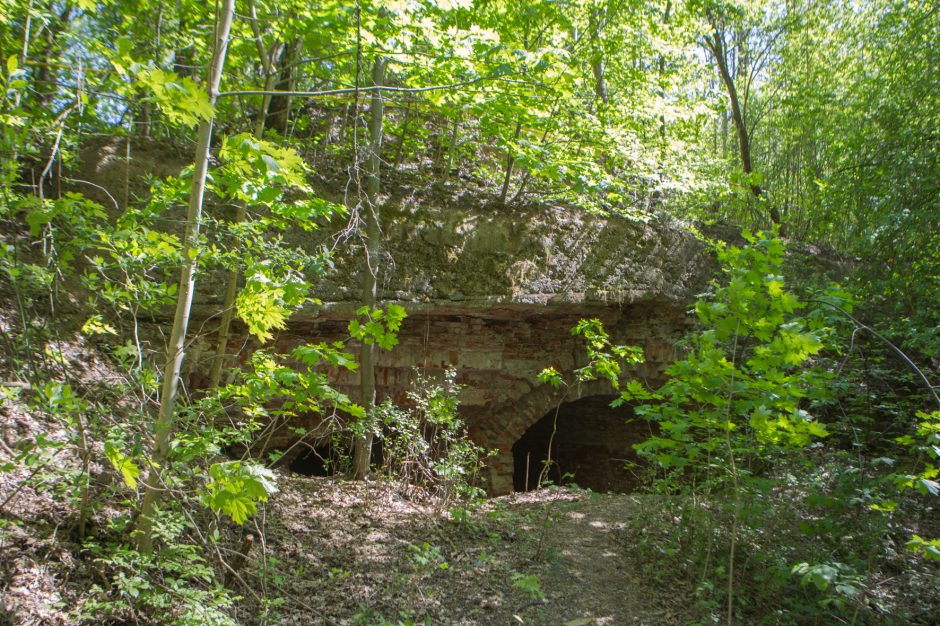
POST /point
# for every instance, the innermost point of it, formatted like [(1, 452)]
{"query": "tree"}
[(163, 426), (722, 19), (269, 58), (371, 262)]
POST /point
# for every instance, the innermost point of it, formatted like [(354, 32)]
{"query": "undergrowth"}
[(788, 497)]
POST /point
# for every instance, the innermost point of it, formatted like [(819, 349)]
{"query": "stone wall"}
[(493, 293), (498, 354)]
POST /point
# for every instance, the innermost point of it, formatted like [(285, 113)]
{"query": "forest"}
[(414, 312)]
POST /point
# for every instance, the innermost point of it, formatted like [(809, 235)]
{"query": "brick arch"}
[(508, 425), (535, 405)]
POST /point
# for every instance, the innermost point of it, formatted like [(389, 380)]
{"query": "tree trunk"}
[(362, 454), (597, 22), (452, 148), (403, 136), (163, 428), (269, 59), (667, 16), (510, 165), (279, 107), (717, 46), (46, 82)]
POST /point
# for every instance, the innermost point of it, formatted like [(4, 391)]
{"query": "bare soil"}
[(328, 551), (364, 554)]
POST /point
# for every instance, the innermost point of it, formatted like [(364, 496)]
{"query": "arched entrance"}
[(322, 460), (592, 447)]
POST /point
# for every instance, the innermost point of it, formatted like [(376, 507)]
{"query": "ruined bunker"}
[(493, 293)]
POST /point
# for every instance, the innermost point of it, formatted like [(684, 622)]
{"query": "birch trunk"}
[(163, 428)]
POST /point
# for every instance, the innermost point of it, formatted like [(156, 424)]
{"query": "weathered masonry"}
[(494, 293)]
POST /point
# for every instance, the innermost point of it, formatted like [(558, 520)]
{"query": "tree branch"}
[(373, 88), (931, 388)]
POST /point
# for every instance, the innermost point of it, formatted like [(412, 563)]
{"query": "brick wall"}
[(498, 354)]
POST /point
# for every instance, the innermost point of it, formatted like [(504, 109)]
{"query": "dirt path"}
[(587, 578), (333, 552), (362, 554)]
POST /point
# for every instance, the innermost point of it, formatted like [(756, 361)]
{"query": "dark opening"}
[(592, 448), (318, 461)]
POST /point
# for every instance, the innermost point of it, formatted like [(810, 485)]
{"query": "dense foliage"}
[(754, 433), (816, 118)]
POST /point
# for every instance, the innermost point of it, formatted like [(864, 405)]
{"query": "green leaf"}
[(236, 505), (551, 376), (179, 98), (817, 430), (271, 163), (128, 469), (261, 308), (394, 317), (236, 488), (97, 326), (387, 341), (929, 548)]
